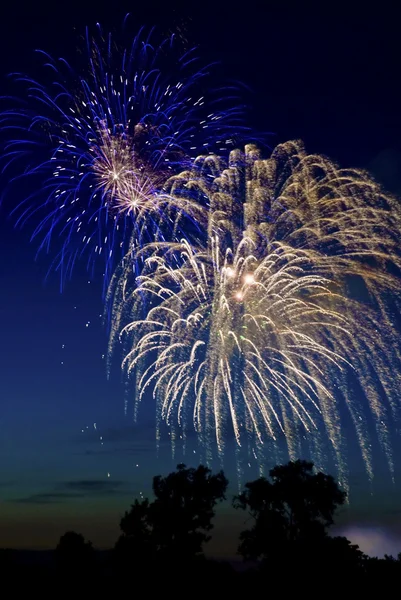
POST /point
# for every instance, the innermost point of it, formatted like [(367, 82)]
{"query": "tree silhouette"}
[(74, 555), (291, 513), (176, 524), (135, 545)]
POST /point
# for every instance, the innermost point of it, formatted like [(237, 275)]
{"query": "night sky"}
[(69, 457)]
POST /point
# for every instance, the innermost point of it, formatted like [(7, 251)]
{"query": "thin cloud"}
[(134, 450), (46, 498), (130, 433), (76, 490), (97, 487)]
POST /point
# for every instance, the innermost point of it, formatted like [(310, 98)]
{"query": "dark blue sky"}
[(331, 80)]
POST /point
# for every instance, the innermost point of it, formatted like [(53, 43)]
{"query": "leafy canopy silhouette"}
[(74, 553), (290, 512), (176, 523)]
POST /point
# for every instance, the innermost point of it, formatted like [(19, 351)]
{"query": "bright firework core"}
[(249, 279), (126, 182)]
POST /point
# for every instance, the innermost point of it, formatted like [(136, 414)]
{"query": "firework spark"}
[(98, 147), (260, 334)]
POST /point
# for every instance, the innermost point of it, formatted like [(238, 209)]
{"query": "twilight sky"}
[(69, 457)]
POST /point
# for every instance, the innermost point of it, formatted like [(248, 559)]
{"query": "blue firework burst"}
[(95, 146)]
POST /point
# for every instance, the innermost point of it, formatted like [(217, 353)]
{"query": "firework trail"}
[(96, 147), (259, 334)]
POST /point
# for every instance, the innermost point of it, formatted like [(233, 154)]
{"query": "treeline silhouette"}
[(285, 541)]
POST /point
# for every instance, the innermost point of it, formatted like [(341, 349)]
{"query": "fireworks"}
[(279, 326), (97, 147), (254, 298)]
